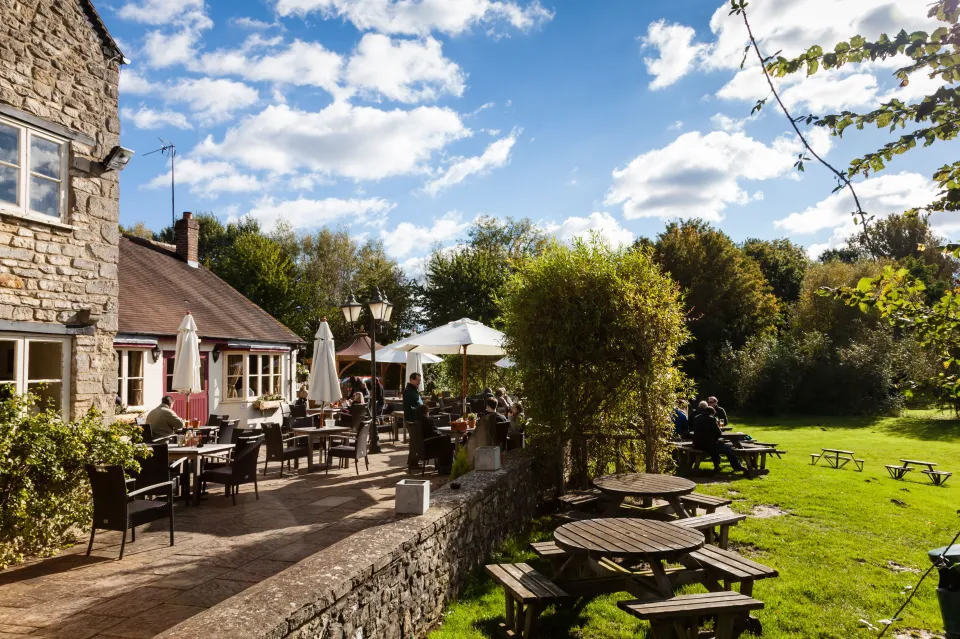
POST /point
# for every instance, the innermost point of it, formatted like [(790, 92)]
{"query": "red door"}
[(199, 406)]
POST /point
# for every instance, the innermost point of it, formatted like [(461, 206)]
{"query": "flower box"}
[(268, 404)]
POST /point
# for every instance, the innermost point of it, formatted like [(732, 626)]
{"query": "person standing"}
[(411, 404), (163, 421)]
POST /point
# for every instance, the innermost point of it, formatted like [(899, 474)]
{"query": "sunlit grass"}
[(836, 550)]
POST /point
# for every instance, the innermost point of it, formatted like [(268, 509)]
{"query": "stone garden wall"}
[(389, 581)]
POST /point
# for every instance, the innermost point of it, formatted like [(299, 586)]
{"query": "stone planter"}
[(487, 458), (267, 405), (413, 496), (127, 418)]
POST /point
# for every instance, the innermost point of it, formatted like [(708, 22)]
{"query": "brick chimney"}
[(187, 233)]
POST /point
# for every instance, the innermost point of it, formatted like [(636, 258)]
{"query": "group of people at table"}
[(702, 423)]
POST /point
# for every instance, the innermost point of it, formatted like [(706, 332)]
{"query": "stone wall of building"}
[(54, 66), (387, 582)]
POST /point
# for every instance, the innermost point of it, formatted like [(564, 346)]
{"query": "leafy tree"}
[(726, 295), (783, 264), (139, 229), (813, 312), (465, 281), (844, 254), (595, 334)]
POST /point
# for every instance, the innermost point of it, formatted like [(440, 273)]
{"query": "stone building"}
[(59, 204)]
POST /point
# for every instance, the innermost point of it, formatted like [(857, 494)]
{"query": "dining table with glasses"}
[(194, 454), (603, 555), (321, 434), (646, 487)]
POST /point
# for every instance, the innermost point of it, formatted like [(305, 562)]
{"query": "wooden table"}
[(635, 541), (449, 430), (646, 487), (836, 458), (734, 438), (908, 462), (193, 455), (322, 434)]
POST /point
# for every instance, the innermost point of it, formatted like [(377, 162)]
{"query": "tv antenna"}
[(168, 149)]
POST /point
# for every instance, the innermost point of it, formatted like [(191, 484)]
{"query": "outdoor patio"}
[(220, 550)]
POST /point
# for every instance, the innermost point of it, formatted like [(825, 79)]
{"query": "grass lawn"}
[(847, 549)]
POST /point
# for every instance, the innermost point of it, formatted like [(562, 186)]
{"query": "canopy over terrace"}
[(351, 353)]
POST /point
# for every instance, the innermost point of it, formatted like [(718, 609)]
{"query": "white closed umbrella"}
[(186, 363), (465, 336), (324, 383), (415, 363), (506, 362)]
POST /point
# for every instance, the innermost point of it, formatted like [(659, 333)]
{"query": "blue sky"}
[(405, 119)]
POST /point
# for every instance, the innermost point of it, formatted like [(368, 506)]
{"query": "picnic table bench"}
[(938, 477), (527, 594), (836, 458), (683, 613), (708, 523), (708, 502), (728, 567), (754, 456)]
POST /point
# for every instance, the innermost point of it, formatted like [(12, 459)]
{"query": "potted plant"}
[(471, 420), (268, 402)]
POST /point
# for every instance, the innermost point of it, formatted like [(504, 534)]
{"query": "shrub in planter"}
[(44, 492)]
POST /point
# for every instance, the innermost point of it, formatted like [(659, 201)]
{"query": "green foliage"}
[(726, 294), (467, 280), (813, 312), (595, 334), (783, 264), (461, 466), (44, 493)]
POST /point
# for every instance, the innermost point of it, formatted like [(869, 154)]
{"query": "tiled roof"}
[(101, 29), (359, 346), (157, 289)]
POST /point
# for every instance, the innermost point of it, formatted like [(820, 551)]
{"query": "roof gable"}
[(157, 289), (97, 22)]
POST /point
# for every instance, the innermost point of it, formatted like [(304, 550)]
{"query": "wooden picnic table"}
[(646, 487), (193, 455), (837, 458), (635, 541), (323, 434), (908, 462)]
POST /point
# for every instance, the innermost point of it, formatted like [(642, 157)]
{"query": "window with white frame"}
[(252, 375), (35, 364), (130, 377), (33, 172)]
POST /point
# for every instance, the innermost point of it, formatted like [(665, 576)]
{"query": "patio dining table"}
[(193, 455), (631, 541), (646, 487), (322, 434)]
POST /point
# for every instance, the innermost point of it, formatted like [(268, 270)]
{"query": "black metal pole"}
[(374, 433)]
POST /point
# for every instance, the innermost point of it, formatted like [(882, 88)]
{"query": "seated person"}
[(163, 421), (517, 420), (681, 425), (706, 437), (503, 400), (721, 414), (436, 444)]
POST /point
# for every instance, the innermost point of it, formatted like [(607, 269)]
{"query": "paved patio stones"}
[(220, 551)]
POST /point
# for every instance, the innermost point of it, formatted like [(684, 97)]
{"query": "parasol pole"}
[(464, 381)]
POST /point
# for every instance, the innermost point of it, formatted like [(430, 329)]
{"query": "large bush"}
[(44, 492), (595, 334)]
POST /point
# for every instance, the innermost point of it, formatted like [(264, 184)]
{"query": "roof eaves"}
[(102, 30)]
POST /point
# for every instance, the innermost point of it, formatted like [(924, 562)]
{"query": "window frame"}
[(25, 134), (276, 371), (123, 375), (22, 381)]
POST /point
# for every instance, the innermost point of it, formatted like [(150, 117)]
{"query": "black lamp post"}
[(380, 311)]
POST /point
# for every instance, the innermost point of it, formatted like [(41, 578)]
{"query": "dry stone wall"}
[(387, 582), (53, 66)]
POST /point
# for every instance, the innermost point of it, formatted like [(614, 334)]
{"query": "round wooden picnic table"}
[(635, 540), (645, 486)]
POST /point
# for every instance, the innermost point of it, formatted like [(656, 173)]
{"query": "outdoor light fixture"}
[(378, 306), (118, 158), (351, 309), (156, 352), (215, 353)]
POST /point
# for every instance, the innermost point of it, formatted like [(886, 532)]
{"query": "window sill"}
[(40, 219)]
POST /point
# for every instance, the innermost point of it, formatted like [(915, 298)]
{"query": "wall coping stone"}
[(279, 605)]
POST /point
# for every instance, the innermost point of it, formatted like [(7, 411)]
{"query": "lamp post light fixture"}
[(380, 312)]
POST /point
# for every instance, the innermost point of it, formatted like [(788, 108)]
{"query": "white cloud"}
[(147, 118), (413, 17), (361, 143), (213, 100), (208, 179), (300, 63), (164, 50), (879, 196), (726, 123), (675, 126), (253, 24), (132, 83), (407, 237), (700, 175), (403, 70), (496, 155), (831, 90), (677, 52), (600, 222), (304, 213), (159, 11)]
